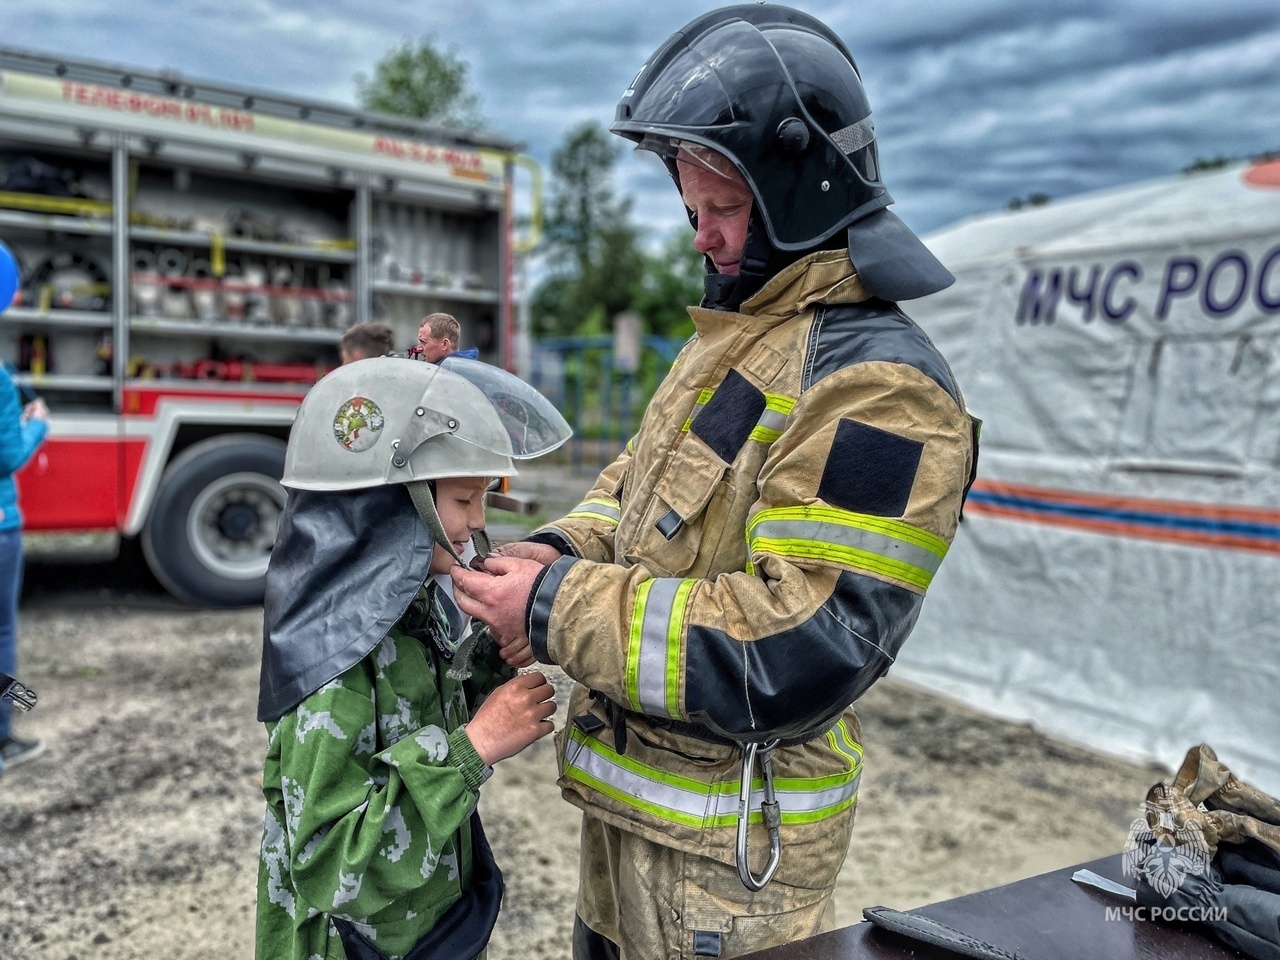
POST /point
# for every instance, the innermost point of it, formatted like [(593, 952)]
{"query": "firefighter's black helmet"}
[(778, 93)]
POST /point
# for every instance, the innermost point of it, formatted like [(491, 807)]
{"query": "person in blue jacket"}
[(22, 430)]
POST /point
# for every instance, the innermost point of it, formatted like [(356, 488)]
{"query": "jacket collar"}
[(827, 276)]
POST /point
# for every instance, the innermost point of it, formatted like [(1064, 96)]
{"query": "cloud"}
[(976, 102)]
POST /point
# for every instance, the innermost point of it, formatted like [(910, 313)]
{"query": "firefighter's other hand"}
[(498, 595), (516, 652), (35, 410), (542, 553), (512, 717)]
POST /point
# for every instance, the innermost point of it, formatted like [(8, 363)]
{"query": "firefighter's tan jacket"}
[(751, 564)]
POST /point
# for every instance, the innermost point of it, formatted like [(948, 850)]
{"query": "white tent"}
[(1116, 580)]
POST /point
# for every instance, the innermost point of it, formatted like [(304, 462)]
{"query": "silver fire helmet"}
[(389, 420)]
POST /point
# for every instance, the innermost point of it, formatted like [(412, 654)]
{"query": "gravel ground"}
[(136, 835)]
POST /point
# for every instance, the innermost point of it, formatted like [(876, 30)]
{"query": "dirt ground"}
[(136, 835)]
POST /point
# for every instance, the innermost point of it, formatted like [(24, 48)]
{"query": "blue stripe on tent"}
[(1163, 521)]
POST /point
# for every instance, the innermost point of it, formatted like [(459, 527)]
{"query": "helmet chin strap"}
[(420, 491), (722, 291), (425, 502)]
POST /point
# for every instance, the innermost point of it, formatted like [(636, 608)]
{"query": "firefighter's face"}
[(434, 349), (721, 201), (460, 504)]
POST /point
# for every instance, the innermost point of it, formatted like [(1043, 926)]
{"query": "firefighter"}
[(757, 555)]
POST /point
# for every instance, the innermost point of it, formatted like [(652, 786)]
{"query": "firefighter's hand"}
[(517, 653), (498, 595), (35, 410), (512, 717), (542, 553)]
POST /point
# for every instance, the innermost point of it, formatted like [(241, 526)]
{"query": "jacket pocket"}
[(687, 518)]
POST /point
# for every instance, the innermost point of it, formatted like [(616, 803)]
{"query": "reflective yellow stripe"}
[(776, 410), (873, 544), (675, 634), (704, 396), (635, 644), (596, 509), (843, 742), (779, 403), (690, 802)]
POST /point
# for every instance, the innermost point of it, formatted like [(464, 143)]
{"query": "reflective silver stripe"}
[(773, 420), (847, 536), (651, 671), (684, 800), (855, 136)]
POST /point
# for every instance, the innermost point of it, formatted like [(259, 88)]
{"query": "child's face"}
[(460, 504)]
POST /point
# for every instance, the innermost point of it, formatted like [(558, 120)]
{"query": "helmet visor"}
[(503, 414)]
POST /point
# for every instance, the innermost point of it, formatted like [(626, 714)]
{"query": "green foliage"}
[(597, 269), (671, 281), (597, 266), (422, 81), (1202, 164), (1205, 164), (592, 248)]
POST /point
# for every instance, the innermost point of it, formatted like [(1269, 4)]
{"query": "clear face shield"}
[(528, 425), (673, 152)]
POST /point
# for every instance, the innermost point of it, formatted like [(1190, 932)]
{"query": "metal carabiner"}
[(16, 692), (769, 810)]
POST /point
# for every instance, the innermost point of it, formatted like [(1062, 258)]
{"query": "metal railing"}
[(601, 399)]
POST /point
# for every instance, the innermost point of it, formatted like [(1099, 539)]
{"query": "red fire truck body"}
[(190, 255)]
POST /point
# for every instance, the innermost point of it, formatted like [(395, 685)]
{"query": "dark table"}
[(1049, 917)]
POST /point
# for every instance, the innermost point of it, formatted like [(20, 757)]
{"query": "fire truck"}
[(190, 255)]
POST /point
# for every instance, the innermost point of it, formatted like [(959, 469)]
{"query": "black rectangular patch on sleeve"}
[(870, 470), (729, 416)]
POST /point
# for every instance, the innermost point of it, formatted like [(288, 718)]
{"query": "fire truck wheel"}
[(214, 519)]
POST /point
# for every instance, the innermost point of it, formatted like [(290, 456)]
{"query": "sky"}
[(976, 102)]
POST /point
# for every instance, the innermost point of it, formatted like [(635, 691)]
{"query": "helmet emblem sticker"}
[(358, 424)]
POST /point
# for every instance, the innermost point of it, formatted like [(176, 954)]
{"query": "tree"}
[(597, 266), (422, 81), (593, 250), (672, 280)]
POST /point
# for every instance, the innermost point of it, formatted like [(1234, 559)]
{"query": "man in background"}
[(438, 337), (365, 340)]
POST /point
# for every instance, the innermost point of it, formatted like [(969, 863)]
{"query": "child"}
[(372, 846)]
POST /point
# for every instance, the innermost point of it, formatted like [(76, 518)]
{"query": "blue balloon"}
[(8, 277)]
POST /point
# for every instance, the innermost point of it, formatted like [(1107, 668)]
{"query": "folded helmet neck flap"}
[(777, 93)]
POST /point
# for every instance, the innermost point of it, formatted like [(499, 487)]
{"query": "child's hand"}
[(512, 717)]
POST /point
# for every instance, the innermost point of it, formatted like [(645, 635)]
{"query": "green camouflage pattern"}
[(370, 783)]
